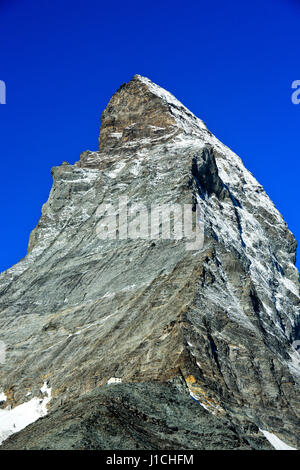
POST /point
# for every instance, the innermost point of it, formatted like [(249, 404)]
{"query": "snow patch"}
[(114, 380), (16, 419), (277, 443), (114, 173), (290, 286)]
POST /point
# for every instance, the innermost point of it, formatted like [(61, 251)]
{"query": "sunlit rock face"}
[(215, 324)]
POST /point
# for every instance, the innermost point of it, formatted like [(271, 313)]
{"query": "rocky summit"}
[(127, 342)]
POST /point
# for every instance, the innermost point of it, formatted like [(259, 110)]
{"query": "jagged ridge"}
[(79, 310)]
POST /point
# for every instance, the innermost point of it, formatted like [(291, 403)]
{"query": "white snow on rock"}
[(277, 443), (290, 286), (13, 420), (114, 380), (185, 119), (200, 403)]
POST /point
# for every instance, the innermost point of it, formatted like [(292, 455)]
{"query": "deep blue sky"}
[(231, 62)]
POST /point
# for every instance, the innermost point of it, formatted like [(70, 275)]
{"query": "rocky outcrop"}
[(78, 310), (122, 417)]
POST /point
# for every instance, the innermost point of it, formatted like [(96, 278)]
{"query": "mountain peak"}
[(140, 109), (110, 325)]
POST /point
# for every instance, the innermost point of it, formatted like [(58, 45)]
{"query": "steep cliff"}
[(215, 323)]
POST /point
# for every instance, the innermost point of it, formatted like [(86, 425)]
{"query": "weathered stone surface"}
[(78, 310), (123, 417)]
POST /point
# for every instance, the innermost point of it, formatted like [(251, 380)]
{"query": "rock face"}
[(135, 416), (216, 322)]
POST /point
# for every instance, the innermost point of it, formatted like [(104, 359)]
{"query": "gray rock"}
[(135, 416), (78, 310)]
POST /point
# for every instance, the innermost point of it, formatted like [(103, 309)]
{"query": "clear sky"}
[(231, 62)]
